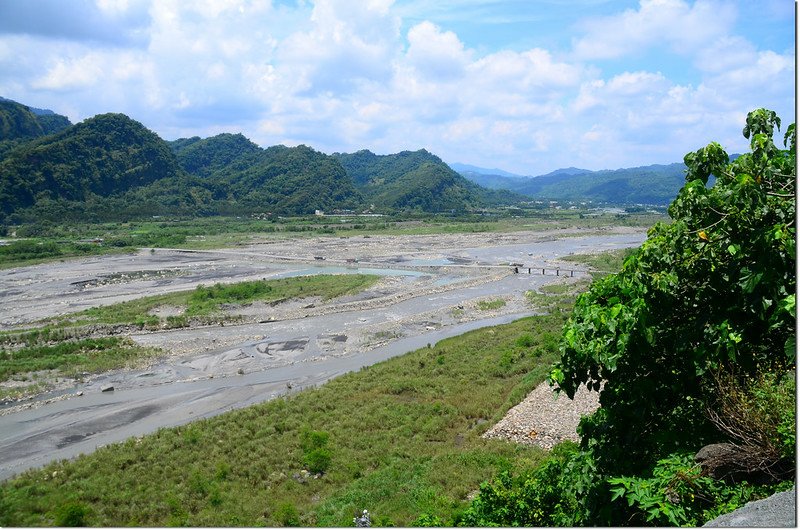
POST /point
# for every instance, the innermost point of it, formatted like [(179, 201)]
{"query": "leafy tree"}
[(714, 289), (692, 342)]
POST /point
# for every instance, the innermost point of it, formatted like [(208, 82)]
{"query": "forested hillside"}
[(238, 173), (221, 154), (19, 124), (103, 156), (111, 167), (416, 180)]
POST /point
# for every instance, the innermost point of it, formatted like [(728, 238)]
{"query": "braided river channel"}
[(431, 288)]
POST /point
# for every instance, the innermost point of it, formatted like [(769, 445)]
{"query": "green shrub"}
[(427, 521), (546, 496), (287, 515), (677, 494), (72, 514), (318, 460), (525, 340), (316, 455)]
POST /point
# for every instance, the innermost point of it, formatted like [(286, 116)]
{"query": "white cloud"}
[(71, 73), (348, 42), (673, 23), (436, 54), (342, 75)]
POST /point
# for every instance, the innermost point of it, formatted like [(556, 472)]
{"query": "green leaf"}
[(788, 304), (790, 347)]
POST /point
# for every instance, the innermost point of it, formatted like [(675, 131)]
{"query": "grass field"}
[(400, 438)]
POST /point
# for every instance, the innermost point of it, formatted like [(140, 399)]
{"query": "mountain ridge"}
[(388, 181), (111, 166), (655, 184)]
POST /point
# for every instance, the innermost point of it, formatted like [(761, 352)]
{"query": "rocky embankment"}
[(544, 418)]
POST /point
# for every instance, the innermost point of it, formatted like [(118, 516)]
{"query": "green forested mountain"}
[(19, 124), (17, 121), (654, 184), (221, 154), (415, 180), (103, 156), (491, 181), (278, 179), (110, 167)]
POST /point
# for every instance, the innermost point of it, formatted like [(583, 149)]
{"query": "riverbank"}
[(403, 437)]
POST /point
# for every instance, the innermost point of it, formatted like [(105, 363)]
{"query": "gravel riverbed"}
[(432, 287)]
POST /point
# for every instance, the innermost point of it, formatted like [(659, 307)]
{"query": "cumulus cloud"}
[(673, 23), (342, 75), (346, 43), (436, 54)]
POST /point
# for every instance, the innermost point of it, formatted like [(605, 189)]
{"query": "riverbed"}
[(431, 289)]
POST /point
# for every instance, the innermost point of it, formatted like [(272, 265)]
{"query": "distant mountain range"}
[(462, 168), (111, 167), (655, 184)]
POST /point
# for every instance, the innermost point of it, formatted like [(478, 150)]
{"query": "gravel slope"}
[(544, 419)]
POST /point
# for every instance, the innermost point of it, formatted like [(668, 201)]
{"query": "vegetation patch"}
[(71, 358), (490, 305), (556, 297), (205, 301), (603, 263)]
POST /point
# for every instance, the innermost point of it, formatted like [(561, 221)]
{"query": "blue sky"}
[(522, 85)]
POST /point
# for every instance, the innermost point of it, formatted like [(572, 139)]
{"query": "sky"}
[(527, 86)]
